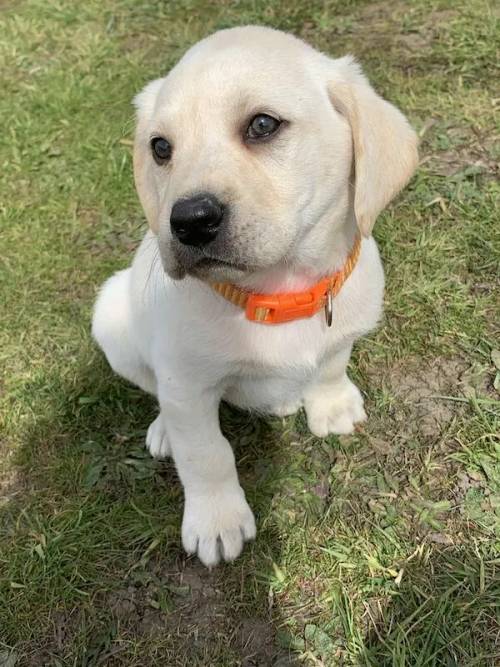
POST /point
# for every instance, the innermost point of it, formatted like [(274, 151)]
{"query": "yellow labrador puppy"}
[(261, 165)]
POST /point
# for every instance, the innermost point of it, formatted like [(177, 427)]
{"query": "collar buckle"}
[(277, 308)]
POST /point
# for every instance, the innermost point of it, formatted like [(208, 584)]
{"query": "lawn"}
[(377, 549)]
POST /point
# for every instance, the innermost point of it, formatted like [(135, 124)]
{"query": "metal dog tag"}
[(329, 308)]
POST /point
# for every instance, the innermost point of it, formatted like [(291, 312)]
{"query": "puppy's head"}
[(256, 148)]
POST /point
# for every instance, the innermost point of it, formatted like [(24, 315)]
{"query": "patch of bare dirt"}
[(421, 390), (7, 4), (471, 152), (89, 217), (198, 612), (256, 640), (423, 397), (191, 599), (400, 30), (140, 41)]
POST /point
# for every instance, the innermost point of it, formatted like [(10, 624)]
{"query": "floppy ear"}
[(144, 103), (384, 144)]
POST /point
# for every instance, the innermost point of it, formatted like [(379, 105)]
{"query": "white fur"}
[(184, 343)]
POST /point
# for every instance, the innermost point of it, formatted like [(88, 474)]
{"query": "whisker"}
[(150, 273)]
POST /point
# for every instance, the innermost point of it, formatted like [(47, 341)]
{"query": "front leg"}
[(333, 403), (217, 519)]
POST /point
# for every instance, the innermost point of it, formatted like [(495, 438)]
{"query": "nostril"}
[(181, 231)]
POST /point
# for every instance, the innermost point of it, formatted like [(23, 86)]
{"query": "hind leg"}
[(111, 328)]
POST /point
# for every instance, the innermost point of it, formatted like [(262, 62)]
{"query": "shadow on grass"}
[(96, 573)]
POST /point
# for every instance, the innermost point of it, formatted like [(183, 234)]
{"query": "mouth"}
[(203, 263), (193, 259), (217, 270), (212, 262)]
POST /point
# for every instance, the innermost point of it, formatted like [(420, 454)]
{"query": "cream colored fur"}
[(295, 205)]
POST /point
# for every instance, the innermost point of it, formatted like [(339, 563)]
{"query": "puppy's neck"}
[(320, 257)]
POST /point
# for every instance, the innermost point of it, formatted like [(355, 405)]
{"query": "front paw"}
[(156, 439), (216, 525), (335, 410)]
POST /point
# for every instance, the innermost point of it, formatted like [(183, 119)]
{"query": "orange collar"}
[(288, 306)]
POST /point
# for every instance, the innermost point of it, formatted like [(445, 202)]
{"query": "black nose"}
[(196, 221)]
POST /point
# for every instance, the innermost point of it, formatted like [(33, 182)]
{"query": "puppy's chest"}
[(289, 349)]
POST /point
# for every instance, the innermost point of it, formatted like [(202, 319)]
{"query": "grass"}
[(377, 549)]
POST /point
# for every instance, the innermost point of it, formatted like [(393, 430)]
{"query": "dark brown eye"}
[(262, 126), (162, 149)]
